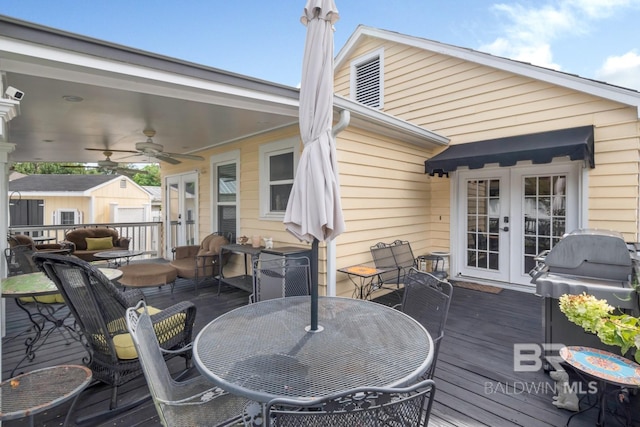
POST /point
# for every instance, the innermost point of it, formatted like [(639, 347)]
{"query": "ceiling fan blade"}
[(113, 151), (164, 158), (183, 156)]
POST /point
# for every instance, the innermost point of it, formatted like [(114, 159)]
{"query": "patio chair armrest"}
[(180, 350), (181, 252), (179, 315), (123, 242), (132, 297)]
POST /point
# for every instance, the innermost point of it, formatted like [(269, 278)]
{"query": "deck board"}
[(475, 374)]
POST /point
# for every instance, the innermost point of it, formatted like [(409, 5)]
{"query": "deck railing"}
[(145, 236)]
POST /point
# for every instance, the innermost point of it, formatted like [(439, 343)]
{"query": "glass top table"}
[(116, 256), (262, 351)]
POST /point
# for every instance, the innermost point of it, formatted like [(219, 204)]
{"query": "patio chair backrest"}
[(363, 407), (281, 277), (153, 364), (383, 258), (19, 260), (427, 299), (397, 255)]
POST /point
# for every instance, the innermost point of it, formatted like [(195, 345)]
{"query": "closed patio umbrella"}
[(314, 212)]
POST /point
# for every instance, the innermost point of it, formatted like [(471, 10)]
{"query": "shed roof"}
[(60, 183)]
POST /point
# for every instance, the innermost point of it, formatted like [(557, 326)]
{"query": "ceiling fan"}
[(109, 165), (151, 149)]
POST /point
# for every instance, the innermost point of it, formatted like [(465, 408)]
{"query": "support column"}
[(8, 110)]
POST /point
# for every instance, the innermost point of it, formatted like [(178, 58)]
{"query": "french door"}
[(507, 216), (181, 207)]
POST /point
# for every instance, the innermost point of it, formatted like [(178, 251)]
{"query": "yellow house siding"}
[(469, 102), (52, 204), (385, 197)]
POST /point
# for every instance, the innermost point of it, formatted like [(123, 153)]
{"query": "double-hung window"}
[(278, 163), (226, 192)]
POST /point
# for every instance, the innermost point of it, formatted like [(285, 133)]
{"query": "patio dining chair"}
[(99, 308), (280, 277), (373, 407), (193, 402), (427, 298)]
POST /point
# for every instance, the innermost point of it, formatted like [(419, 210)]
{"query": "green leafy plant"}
[(597, 316)]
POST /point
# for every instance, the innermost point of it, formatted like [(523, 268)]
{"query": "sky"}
[(596, 39)]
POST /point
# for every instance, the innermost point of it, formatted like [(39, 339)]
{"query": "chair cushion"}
[(125, 350), (98, 243), (45, 299)]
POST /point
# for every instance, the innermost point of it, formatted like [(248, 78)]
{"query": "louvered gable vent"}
[(368, 82)]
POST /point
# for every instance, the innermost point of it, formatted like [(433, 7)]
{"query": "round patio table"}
[(115, 256), (28, 291), (29, 394), (262, 351)]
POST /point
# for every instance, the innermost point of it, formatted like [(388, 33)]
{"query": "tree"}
[(49, 168), (152, 177)]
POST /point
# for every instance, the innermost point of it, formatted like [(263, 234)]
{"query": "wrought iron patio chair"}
[(427, 298), (99, 309), (280, 277), (400, 407), (193, 402), (398, 256)]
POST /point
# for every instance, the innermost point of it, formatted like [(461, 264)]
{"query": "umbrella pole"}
[(314, 285)]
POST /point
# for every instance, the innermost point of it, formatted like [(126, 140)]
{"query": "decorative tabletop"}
[(603, 365), (263, 350), (363, 270), (39, 284), (117, 254), (36, 391)]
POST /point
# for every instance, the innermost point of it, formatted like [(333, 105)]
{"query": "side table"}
[(243, 281), (606, 368), (33, 392), (363, 278)]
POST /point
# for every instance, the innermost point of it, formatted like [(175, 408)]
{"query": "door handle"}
[(505, 229)]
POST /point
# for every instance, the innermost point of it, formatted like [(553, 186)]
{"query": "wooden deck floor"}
[(477, 385)]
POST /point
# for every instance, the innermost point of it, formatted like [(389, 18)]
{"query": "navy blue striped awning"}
[(575, 143)]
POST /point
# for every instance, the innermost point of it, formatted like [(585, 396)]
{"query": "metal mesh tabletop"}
[(36, 391), (262, 351)]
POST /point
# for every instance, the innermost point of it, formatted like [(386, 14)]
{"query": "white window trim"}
[(379, 53), (266, 150), (77, 216), (232, 156)]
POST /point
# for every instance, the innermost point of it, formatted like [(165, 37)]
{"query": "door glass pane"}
[(172, 202), (190, 196), (483, 223), (544, 215)]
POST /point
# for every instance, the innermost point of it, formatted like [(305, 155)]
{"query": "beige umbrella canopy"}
[(314, 209), (314, 212)]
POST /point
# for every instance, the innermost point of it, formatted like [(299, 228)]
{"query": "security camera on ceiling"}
[(14, 93)]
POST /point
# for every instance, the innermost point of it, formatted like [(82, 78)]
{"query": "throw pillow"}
[(99, 243)]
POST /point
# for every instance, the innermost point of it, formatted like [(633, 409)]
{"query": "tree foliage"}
[(152, 177)]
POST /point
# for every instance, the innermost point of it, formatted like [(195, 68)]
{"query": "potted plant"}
[(597, 316)]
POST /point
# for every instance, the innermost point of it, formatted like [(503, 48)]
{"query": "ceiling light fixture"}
[(73, 98)]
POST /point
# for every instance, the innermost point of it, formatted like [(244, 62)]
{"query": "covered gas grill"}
[(597, 262)]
